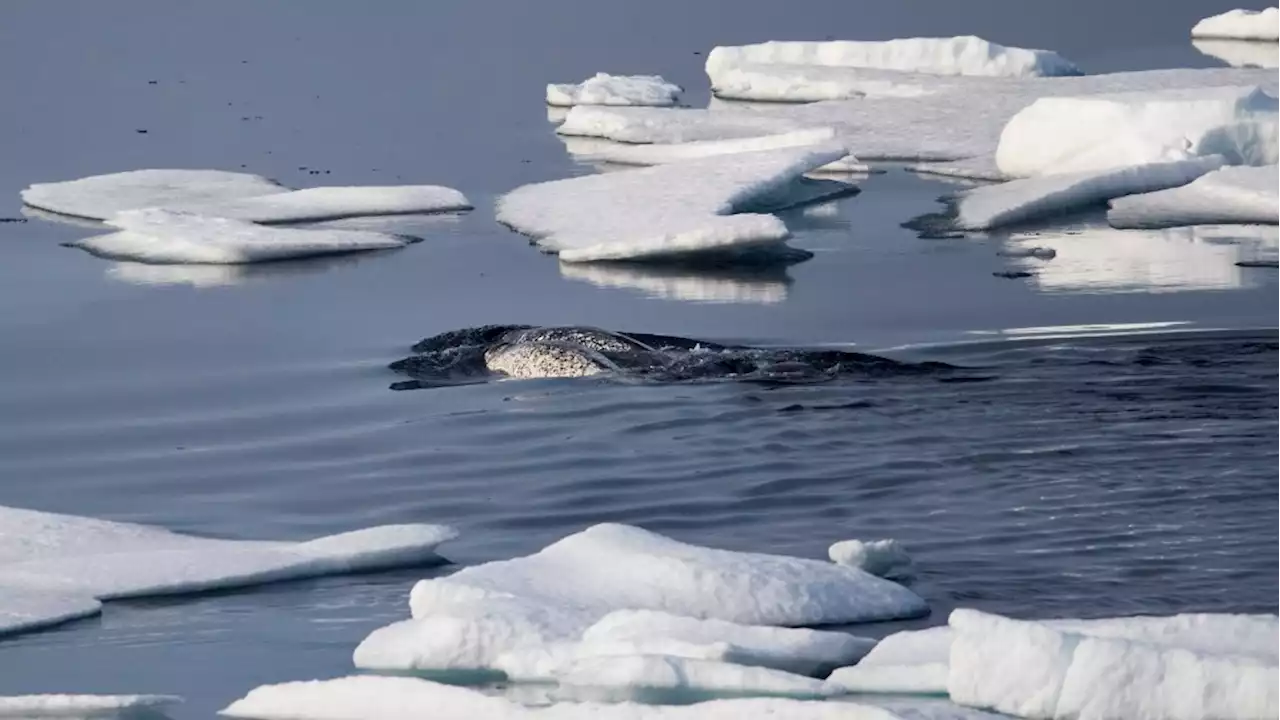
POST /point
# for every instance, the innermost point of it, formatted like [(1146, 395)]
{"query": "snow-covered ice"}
[(1232, 195), (470, 619), (963, 119), (68, 563), (882, 558), (679, 209), (1019, 201), (1240, 25), (1240, 53), (656, 678), (240, 196), (663, 153), (406, 698), (910, 661), (963, 55), (1188, 667), (1102, 131), (83, 707), (172, 237), (606, 89)]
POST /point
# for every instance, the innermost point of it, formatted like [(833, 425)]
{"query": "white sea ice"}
[(680, 209), (1243, 195), (606, 89), (55, 567), (882, 558), (664, 153), (910, 661), (1111, 130), (1241, 53), (404, 698), (470, 619), (83, 707), (964, 55), (240, 196), (1240, 25), (1190, 667), (1018, 201), (172, 237), (651, 678)]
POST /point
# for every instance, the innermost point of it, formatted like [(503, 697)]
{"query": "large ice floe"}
[(703, 206), (1231, 195), (535, 614), (1195, 666), (1240, 25), (401, 698), (86, 707), (58, 567), (168, 237), (240, 196), (606, 89)]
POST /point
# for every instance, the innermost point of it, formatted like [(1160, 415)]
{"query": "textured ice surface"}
[(964, 119), (1244, 195), (241, 196), (55, 567), (1097, 132), (966, 55), (401, 698), (1241, 53), (470, 619), (1240, 25), (606, 89), (1018, 201), (83, 706), (1189, 667), (171, 237), (663, 153), (882, 558), (674, 210)]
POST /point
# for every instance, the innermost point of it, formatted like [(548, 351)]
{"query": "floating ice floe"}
[(665, 678), (910, 661), (664, 153), (1024, 200), (1231, 195), (174, 237), (404, 698), (241, 196), (57, 567), (470, 619), (961, 120), (84, 707), (1240, 25), (882, 558), (1240, 53), (606, 89), (1104, 131), (1186, 667), (676, 210)]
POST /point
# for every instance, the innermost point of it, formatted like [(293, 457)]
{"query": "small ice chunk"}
[(1033, 669), (72, 561), (1038, 252), (1240, 25), (606, 89), (169, 237), (795, 650), (1232, 195), (407, 698), (964, 55), (882, 558), (655, 678), (239, 196), (680, 209), (1027, 199), (83, 706), (1241, 53), (661, 154), (1075, 134)]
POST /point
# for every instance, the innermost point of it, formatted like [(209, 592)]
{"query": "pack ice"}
[(606, 89), (1240, 25), (1181, 666), (1232, 195), (57, 567), (694, 207), (84, 707), (616, 590)]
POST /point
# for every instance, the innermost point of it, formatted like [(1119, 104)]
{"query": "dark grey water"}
[(1086, 477)]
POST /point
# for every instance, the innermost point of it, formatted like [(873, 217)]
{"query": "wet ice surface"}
[(1087, 478)]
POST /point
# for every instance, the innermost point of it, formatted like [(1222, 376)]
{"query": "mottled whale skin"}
[(526, 352)]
